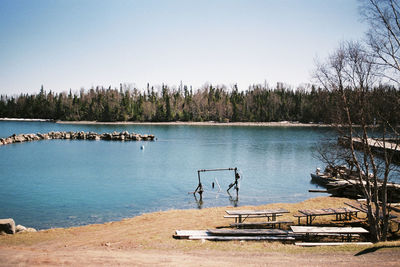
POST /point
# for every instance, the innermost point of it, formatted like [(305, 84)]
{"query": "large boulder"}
[(7, 226)]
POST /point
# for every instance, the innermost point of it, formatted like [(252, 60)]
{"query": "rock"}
[(19, 138), (57, 135), (7, 226), (20, 228), (107, 136), (35, 137)]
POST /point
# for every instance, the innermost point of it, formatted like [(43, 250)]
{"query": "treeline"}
[(210, 103)]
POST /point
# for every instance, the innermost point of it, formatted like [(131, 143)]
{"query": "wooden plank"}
[(318, 191), (185, 234), (190, 232), (247, 232), (330, 230), (260, 223), (354, 221), (310, 244), (247, 238)]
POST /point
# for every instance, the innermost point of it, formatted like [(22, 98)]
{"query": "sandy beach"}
[(147, 240)]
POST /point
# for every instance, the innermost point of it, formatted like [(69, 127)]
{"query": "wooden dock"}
[(391, 146), (344, 183)]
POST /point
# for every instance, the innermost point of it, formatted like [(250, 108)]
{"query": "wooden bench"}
[(273, 224), (307, 231), (313, 244), (243, 238), (247, 232), (352, 220), (349, 222)]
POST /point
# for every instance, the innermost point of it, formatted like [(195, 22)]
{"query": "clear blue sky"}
[(65, 44)]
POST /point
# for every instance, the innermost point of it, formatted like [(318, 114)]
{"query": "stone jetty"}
[(115, 136), (7, 226)]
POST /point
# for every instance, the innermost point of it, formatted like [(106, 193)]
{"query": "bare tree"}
[(350, 74), (383, 36)]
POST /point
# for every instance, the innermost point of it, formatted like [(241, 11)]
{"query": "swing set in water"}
[(235, 183)]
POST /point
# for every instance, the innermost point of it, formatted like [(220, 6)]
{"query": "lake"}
[(62, 183)]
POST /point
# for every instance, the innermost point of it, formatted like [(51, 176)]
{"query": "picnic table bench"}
[(247, 232), (340, 213), (273, 224), (342, 231)]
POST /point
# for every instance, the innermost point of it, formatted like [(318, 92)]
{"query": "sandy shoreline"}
[(20, 119), (146, 240)]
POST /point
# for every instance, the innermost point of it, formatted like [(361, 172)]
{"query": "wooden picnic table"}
[(340, 213), (363, 208), (344, 231), (241, 215), (357, 205)]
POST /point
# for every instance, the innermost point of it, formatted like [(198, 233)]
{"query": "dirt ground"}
[(146, 240), (140, 257)]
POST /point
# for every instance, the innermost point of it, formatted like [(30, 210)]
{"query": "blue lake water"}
[(61, 183)]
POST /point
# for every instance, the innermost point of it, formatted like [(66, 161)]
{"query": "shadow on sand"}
[(373, 249)]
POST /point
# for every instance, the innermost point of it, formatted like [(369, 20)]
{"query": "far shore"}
[(21, 119), (205, 123), (193, 123)]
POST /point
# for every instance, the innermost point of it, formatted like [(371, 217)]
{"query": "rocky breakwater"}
[(7, 226), (115, 136)]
